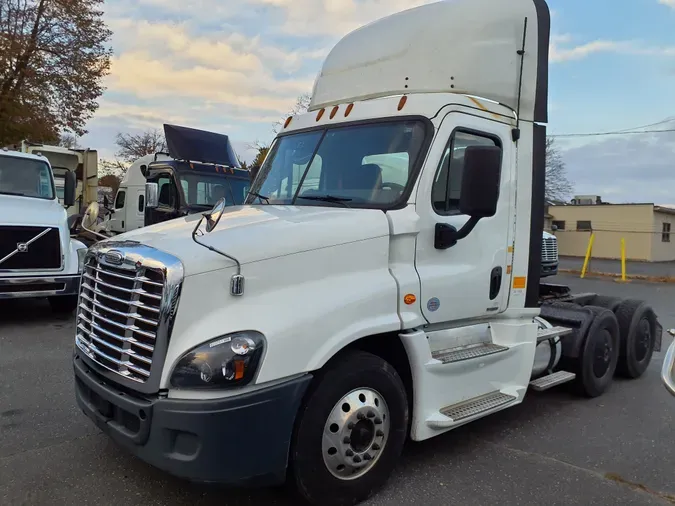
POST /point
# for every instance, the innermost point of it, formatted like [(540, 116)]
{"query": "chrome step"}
[(467, 352), (477, 405), (552, 380), (544, 334)]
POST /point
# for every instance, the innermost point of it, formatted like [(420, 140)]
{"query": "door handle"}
[(495, 282)]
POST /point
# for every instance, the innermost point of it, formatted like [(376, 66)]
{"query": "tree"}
[(300, 107), (262, 150), (558, 187), (53, 57), (69, 141), (133, 146), (110, 181)]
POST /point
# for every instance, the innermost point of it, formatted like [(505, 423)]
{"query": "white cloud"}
[(561, 51), (669, 3)]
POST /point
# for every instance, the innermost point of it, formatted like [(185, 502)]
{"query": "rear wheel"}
[(637, 325), (63, 304), (350, 431), (599, 355)]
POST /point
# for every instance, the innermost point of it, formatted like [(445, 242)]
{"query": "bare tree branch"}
[(558, 186), (300, 107), (133, 146)]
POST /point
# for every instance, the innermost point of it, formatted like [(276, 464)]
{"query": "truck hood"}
[(255, 233), (31, 211)]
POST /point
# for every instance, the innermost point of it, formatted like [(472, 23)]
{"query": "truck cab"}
[(199, 169), (38, 258), (378, 284)]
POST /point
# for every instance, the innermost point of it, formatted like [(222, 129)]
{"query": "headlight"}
[(81, 253), (229, 361)]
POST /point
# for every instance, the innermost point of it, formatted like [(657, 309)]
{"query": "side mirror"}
[(151, 195), (69, 186), (481, 178), (213, 217), (554, 227)]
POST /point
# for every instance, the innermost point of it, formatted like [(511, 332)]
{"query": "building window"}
[(584, 226), (665, 235), (447, 186), (559, 225)]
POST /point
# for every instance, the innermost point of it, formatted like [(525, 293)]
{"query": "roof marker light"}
[(334, 111), (320, 114), (349, 109), (401, 103), (288, 121)]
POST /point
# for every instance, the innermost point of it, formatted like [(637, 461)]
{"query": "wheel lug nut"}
[(350, 425), (376, 446), (357, 459), (360, 416), (367, 457), (347, 440), (378, 421), (379, 433), (349, 453), (371, 414)]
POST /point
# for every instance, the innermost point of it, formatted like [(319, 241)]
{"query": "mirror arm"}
[(467, 228), (92, 232), (211, 248)]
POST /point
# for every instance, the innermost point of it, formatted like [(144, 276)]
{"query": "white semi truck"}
[(38, 258), (306, 335)]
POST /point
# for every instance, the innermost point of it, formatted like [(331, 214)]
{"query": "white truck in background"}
[(82, 162), (394, 308), (38, 258)]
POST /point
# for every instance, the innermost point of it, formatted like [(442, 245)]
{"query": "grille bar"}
[(132, 328), (119, 316), (139, 291), (137, 304), (135, 316), (549, 250)]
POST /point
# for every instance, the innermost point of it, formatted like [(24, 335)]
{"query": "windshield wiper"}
[(328, 198), (261, 197)]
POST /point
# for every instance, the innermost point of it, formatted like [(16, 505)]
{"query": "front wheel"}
[(350, 432)]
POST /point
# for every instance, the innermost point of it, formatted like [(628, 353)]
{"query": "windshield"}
[(357, 166), (25, 177), (206, 190)]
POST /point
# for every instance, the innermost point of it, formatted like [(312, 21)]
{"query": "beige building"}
[(648, 229)]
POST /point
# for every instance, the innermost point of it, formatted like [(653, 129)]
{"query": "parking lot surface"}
[(554, 449)]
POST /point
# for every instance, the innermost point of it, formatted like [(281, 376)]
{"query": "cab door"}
[(118, 216), (471, 279), (169, 199)]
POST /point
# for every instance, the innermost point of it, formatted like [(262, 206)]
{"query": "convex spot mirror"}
[(213, 216), (90, 215), (481, 178)]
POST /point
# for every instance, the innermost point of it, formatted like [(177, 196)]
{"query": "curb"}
[(640, 277)]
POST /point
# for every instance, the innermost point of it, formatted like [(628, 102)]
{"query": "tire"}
[(599, 354), (63, 304), (321, 459), (607, 302), (637, 327)]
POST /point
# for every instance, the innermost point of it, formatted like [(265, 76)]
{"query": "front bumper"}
[(237, 440), (39, 286), (549, 269)]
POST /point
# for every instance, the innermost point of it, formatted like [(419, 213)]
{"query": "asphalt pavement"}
[(554, 449)]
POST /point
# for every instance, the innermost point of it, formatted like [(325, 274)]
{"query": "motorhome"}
[(306, 335), (38, 258)]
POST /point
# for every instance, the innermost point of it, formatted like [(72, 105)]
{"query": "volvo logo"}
[(114, 257), (22, 247)]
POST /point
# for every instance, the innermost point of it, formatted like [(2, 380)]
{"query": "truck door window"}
[(141, 203), (167, 192), (119, 200), (446, 190)]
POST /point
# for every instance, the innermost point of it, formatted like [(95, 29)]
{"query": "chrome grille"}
[(549, 250), (119, 316)]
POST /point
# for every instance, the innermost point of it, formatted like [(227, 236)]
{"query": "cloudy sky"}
[(236, 67)]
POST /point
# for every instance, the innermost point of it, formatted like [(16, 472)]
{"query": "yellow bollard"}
[(589, 251), (623, 261)]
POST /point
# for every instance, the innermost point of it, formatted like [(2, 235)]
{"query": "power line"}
[(596, 134)]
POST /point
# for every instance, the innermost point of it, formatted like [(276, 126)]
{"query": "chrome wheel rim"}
[(355, 433)]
